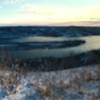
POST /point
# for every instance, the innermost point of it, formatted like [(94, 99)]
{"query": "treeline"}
[(53, 63), (48, 31)]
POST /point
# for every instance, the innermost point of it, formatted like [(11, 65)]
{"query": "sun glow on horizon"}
[(48, 12)]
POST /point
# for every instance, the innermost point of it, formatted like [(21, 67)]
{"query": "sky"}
[(40, 12)]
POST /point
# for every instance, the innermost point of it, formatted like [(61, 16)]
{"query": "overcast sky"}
[(48, 11)]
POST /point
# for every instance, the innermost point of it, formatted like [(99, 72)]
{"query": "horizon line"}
[(71, 23)]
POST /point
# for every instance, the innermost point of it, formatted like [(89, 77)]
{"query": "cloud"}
[(62, 13)]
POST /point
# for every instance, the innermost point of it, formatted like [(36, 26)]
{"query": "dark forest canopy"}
[(49, 30)]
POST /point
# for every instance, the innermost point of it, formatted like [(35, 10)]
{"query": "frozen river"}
[(39, 46)]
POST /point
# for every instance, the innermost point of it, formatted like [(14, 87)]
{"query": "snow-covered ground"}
[(72, 84)]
